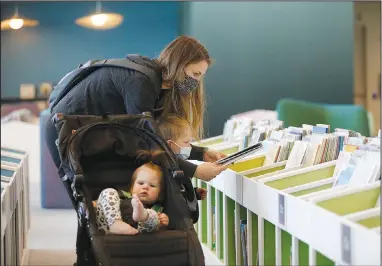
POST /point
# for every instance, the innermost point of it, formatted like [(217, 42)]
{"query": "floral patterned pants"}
[(108, 211)]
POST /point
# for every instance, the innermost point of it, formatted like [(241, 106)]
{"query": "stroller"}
[(98, 152)]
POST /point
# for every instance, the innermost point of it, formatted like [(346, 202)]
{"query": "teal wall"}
[(266, 51), (57, 45), (262, 51)]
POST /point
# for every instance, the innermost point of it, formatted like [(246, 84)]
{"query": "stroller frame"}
[(79, 193)]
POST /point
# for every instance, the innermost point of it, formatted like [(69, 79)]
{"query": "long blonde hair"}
[(181, 52)]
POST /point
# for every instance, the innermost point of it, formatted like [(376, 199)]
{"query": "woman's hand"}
[(213, 156), (208, 171), (163, 219)]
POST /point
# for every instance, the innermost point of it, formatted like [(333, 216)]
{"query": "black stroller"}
[(100, 153)]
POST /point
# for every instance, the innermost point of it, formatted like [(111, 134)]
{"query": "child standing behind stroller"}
[(139, 210), (178, 134)]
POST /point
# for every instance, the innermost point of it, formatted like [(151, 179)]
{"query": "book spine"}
[(243, 230), (213, 229)]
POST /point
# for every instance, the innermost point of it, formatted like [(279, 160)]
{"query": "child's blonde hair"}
[(171, 127)]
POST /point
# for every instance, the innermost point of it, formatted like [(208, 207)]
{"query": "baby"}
[(178, 134), (139, 210)]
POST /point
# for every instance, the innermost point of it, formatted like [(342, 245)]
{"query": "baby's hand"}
[(163, 219)]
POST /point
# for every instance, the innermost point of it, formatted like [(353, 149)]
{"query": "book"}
[(277, 135), (320, 130), (356, 141), (357, 168), (229, 128), (342, 161), (243, 128), (344, 176), (6, 179), (258, 134), (243, 233), (297, 154), (240, 154), (367, 168), (213, 229), (271, 149), (350, 148), (350, 133), (324, 126)]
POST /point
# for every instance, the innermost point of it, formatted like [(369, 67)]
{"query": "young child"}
[(178, 134), (121, 213)]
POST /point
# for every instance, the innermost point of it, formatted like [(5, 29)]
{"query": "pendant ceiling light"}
[(99, 20), (17, 22)]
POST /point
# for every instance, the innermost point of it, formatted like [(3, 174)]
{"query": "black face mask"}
[(187, 85)]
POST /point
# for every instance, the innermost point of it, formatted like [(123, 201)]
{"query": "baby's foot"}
[(139, 212), (119, 227)]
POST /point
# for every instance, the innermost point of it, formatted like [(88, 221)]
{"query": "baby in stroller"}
[(101, 152), (146, 187), (140, 209)]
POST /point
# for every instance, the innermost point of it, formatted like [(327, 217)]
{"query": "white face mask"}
[(184, 152)]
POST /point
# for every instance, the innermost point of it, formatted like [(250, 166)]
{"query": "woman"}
[(181, 67)]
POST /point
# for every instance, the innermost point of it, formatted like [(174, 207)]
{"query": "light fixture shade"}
[(17, 23), (100, 21)]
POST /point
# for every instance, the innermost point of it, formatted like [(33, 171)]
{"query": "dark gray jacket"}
[(113, 90)]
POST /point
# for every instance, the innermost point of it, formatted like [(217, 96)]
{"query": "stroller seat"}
[(101, 152), (162, 247)]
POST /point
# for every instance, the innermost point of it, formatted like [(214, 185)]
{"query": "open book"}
[(240, 154)]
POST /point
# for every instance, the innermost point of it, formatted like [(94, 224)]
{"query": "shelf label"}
[(282, 210), (346, 244)]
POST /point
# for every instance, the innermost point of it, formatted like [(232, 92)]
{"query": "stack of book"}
[(244, 244), (308, 145), (283, 143), (277, 151), (324, 146), (361, 166), (262, 130)]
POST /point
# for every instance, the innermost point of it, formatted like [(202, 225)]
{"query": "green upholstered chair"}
[(348, 116)]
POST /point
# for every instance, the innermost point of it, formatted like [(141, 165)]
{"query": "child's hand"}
[(202, 192), (163, 219), (213, 156)]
